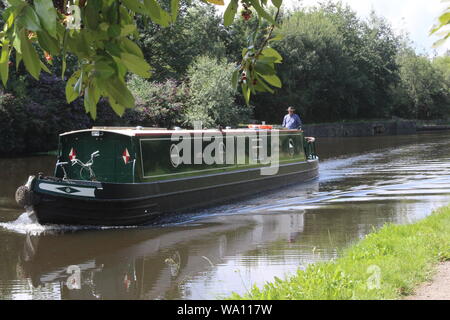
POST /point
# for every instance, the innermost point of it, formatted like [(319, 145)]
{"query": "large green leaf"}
[(445, 18), (235, 79), (277, 3), (157, 14), (103, 69), (263, 85), (136, 64), (174, 7), (272, 80), (91, 98), (119, 109), (11, 13), (218, 2), (270, 52), (30, 19), (230, 13), (4, 60), (47, 15), (79, 84), (261, 12), (91, 16), (136, 6), (127, 29), (18, 60), (48, 43), (114, 30), (15, 2), (153, 9), (17, 45), (264, 68), (116, 90), (71, 94), (44, 67), (132, 47), (246, 92), (30, 56)]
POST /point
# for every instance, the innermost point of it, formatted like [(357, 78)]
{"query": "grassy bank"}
[(386, 264)]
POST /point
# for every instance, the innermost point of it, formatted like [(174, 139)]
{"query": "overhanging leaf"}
[(270, 52), (235, 79), (30, 19), (48, 43), (230, 13), (246, 92), (218, 2), (261, 12), (30, 56), (136, 6), (4, 63), (272, 80), (71, 94), (116, 90), (47, 15), (174, 7), (18, 60), (136, 64), (119, 109), (132, 47), (277, 3), (264, 69)]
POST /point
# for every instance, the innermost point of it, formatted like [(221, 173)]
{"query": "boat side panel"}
[(229, 153)]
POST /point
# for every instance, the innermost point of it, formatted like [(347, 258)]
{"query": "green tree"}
[(423, 92), (335, 66), (443, 64)]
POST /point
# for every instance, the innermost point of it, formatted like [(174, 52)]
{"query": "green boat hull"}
[(130, 204)]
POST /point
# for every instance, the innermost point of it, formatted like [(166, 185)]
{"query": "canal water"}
[(364, 183)]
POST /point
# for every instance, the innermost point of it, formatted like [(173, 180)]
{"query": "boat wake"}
[(25, 225), (376, 177)]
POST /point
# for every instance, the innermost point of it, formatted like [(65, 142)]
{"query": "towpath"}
[(436, 289)]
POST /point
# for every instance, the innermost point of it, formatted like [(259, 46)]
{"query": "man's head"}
[(291, 110)]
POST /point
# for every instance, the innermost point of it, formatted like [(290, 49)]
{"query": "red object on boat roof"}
[(260, 126)]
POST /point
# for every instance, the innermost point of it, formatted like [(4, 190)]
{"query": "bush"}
[(212, 97), (157, 104), (32, 123)]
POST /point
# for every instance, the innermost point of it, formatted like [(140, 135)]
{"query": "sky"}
[(415, 17)]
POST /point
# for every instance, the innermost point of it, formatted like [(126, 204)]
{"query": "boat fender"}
[(25, 197)]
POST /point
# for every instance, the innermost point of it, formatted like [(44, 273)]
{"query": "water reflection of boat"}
[(132, 176), (149, 263)]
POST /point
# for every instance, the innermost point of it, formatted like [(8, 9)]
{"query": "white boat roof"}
[(146, 131)]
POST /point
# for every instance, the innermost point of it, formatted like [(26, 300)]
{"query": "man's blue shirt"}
[(292, 122)]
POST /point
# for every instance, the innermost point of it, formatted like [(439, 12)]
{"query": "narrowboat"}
[(122, 176)]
